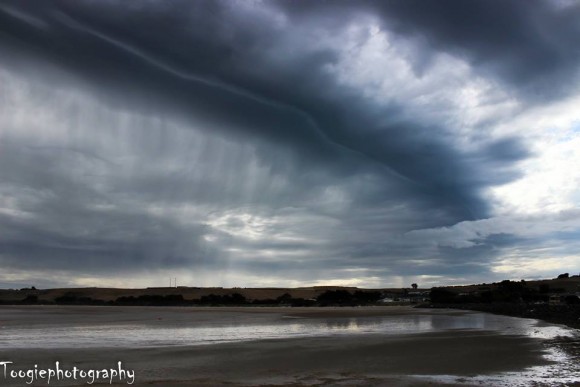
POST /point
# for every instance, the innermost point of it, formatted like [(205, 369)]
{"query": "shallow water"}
[(145, 334)]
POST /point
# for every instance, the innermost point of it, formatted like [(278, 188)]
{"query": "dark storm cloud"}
[(530, 44), (352, 173), (225, 78), (107, 248)]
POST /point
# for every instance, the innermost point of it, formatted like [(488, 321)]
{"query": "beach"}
[(338, 346)]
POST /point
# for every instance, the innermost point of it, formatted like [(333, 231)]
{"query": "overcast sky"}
[(288, 143)]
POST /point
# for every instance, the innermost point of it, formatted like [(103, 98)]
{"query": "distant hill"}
[(256, 295), (571, 284), (89, 295)]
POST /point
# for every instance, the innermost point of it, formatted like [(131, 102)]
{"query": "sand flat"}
[(296, 361)]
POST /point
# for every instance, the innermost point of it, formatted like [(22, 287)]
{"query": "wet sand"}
[(363, 359), (307, 361)]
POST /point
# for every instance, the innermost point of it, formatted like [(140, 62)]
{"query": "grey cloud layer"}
[(212, 134)]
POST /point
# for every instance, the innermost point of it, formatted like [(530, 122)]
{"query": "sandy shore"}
[(362, 360), (359, 360)]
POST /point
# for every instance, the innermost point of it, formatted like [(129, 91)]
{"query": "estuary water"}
[(152, 333)]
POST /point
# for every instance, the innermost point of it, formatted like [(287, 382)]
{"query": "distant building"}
[(419, 296)]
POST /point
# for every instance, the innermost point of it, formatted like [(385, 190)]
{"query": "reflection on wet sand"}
[(147, 334)]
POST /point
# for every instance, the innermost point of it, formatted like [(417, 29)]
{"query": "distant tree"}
[(544, 288), (414, 286), (509, 291), (30, 299), (335, 297), (442, 295), (302, 302), (486, 296), (237, 298), (213, 299), (565, 275), (284, 298), (362, 298)]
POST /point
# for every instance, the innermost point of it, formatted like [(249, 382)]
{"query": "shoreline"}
[(568, 315), (429, 358)]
